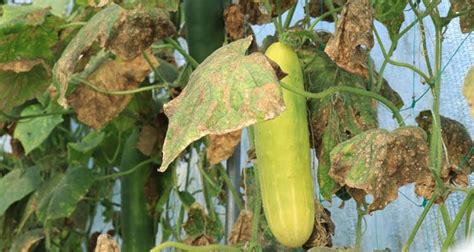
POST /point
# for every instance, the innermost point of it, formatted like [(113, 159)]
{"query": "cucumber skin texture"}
[(284, 161), (137, 225), (204, 27)]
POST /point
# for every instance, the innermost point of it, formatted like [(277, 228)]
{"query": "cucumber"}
[(136, 224), (284, 161)]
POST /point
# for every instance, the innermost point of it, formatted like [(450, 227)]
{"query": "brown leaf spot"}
[(20, 66), (105, 243), (351, 44), (242, 230), (96, 109), (221, 147)]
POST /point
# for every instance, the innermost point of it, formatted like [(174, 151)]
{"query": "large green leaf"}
[(226, 92), (62, 201), (339, 117), (16, 185), (33, 132), (80, 152)]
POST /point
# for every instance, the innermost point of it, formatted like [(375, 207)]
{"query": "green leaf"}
[(16, 185), (81, 151), (186, 198), (227, 91), (62, 201), (390, 13), (58, 7), (33, 132), (22, 14), (26, 241)]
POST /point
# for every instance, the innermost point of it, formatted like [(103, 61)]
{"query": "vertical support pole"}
[(233, 170)]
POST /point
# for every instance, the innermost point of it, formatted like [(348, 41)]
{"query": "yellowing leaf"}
[(226, 92), (469, 89)]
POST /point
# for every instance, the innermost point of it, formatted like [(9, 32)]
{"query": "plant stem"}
[(360, 216), (118, 92), (452, 230), (415, 229), (423, 38), (323, 16), (212, 247), (445, 215), (178, 48), (73, 24), (127, 172), (468, 224), (231, 187), (290, 16), (352, 90), (257, 208)]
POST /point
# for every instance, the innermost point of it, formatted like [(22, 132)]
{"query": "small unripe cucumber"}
[(283, 159)]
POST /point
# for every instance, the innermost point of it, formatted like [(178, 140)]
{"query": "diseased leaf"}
[(97, 109), (34, 131), (351, 44), (202, 240), (26, 241), (58, 7), (62, 201), (258, 13), (226, 92), (221, 147), (317, 7), (323, 228), (106, 243), (81, 151), (25, 50), (16, 185), (466, 21), (168, 5), (459, 147), (337, 118), (199, 223), (468, 89), (242, 230), (390, 13), (234, 21), (378, 162), (126, 33)]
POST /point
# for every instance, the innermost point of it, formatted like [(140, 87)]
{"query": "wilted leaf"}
[(32, 132), (62, 201), (16, 185), (323, 228), (96, 109), (221, 147), (459, 148), (351, 44), (199, 223), (468, 89), (390, 13), (258, 13), (105, 243), (126, 33), (26, 241), (147, 139), (202, 240), (340, 117), (379, 162), (234, 21), (226, 92), (242, 230), (466, 21), (81, 151)]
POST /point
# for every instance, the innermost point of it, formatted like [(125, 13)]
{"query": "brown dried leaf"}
[(98, 3), (222, 147), (20, 66), (105, 243), (466, 21), (147, 139), (459, 147), (258, 14), (234, 22), (379, 162), (96, 109), (351, 44), (242, 230), (201, 240), (323, 228)]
